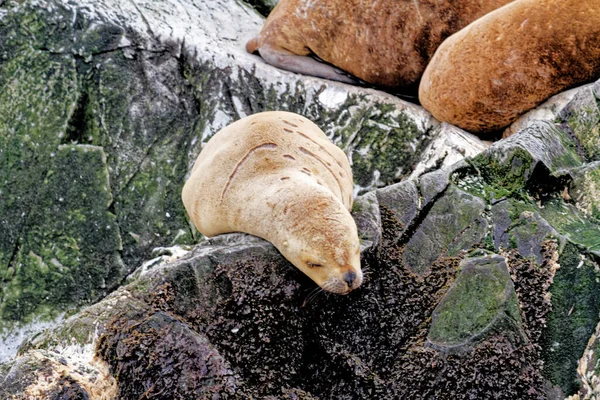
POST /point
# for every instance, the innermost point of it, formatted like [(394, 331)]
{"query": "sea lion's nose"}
[(349, 278)]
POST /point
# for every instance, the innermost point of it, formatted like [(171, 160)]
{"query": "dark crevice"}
[(16, 247), (77, 125), (462, 232), (414, 225), (78, 56), (543, 185), (436, 166), (96, 53)]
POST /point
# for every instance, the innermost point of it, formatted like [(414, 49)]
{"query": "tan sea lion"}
[(384, 42), (509, 61), (277, 176)]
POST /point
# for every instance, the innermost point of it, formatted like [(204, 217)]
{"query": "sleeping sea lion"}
[(485, 76), (383, 42), (276, 175)]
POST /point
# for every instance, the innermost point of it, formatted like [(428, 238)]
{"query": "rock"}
[(228, 316), (587, 371), (481, 299), (263, 6), (145, 86), (401, 201), (50, 375), (585, 189), (365, 212), (580, 118), (547, 111), (573, 319), (453, 144), (463, 228)]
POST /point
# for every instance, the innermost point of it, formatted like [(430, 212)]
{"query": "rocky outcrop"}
[(505, 306), (105, 106), (481, 274)]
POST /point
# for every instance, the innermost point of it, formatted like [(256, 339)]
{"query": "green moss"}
[(388, 137), (571, 223), (585, 123), (488, 243), (575, 306), (38, 97), (477, 298), (496, 175), (570, 156), (71, 259)]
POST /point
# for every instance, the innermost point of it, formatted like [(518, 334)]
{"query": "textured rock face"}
[(505, 307), (105, 106), (481, 277)]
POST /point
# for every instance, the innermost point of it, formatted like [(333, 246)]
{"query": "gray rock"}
[(482, 299), (462, 229), (365, 212), (401, 201), (133, 90)]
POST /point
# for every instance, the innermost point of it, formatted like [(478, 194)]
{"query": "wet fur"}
[(277, 176), (508, 62), (383, 42)]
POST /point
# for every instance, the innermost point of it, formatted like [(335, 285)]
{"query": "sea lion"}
[(277, 176), (485, 76), (383, 42)]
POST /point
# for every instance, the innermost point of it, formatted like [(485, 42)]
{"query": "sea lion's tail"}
[(252, 45)]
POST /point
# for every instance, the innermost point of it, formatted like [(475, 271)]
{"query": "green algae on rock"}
[(429, 242), (83, 74), (575, 307), (231, 317), (481, 299), (67, 260)]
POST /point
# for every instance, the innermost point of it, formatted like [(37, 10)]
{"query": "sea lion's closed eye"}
[(237, 185)]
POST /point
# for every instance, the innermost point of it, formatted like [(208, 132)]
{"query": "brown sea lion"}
[(485, 76), (384, 42), (276, 175)]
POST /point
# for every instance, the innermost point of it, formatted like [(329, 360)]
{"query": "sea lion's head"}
[(322, 241)]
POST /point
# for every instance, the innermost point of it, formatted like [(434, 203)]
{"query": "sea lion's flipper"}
[(252, 45), (302, 64)]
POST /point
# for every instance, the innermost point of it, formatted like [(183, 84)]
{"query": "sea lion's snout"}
[(280, 178), (349, 278)]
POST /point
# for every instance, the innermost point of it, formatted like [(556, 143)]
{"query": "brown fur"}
[(384, 42), (488, 74), (276, 175)]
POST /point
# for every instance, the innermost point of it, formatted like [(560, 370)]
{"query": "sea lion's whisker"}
[(308, 220), (312, 296)]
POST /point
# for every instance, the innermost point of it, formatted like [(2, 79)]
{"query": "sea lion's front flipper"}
[(302, 64)]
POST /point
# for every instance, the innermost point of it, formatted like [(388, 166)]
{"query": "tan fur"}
[(488, 74), (276, 175), (384, 42)]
